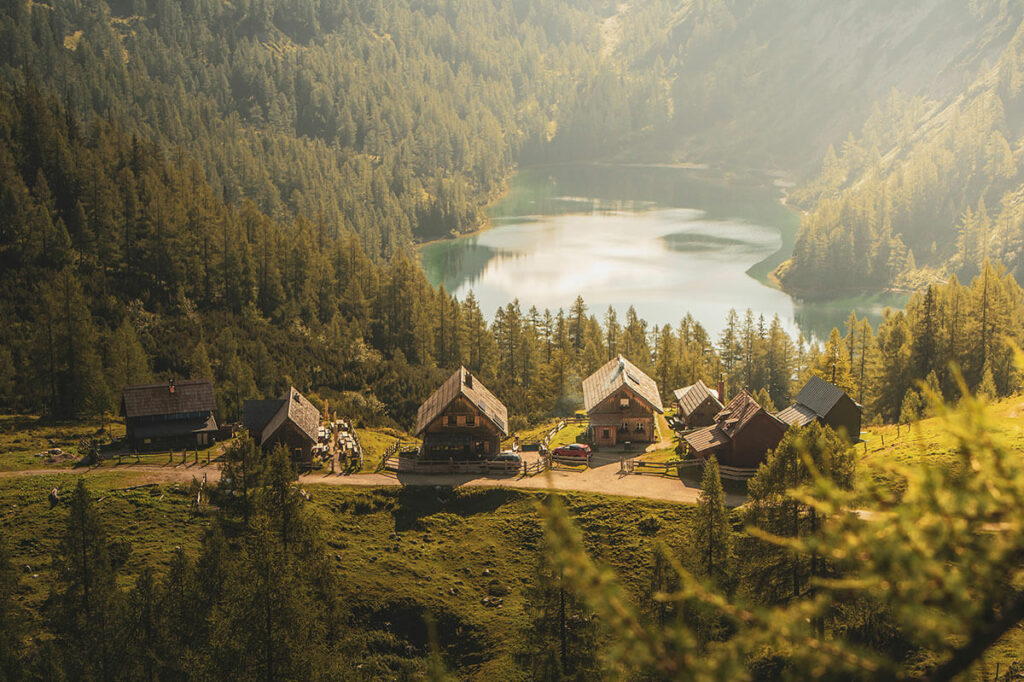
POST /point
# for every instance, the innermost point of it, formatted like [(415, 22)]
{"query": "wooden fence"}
[(545, 444), (663, 468)]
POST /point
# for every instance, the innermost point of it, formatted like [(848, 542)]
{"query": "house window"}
[(453, 420), (471, 420), (606, 433), (624, 403), (639, 427)]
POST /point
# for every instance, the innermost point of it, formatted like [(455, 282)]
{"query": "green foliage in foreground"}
[(922, 586)]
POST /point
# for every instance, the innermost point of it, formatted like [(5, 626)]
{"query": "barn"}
[(621, 402), (461, 421)]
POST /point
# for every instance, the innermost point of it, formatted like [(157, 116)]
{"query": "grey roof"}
[(707, 438), (299, 411), (175, 427), (179, 397), (819, 396), (615, 374), (256, 414), (462, 383), (692, 397), (797, 415)]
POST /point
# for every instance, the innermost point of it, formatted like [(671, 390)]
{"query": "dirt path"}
[(603, 478)]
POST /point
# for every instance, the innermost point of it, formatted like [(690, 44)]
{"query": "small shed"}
[(291, 421), (461, 421), (621, 402), (828, 404), (173, 414), (741, 436), (698, 405)]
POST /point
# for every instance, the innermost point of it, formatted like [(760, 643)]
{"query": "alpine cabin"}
[(741, 436), (828, 404), (461, 421), (291, 421), (175, 414), (698, 404), (621, 402)]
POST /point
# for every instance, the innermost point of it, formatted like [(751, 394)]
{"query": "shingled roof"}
[(612, 376), (692, 397), (728, 423), (462, 383), (797, 415), (294, 408), (176, 397), (819, 396)]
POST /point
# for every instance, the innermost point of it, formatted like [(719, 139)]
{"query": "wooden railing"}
[(635, 466)]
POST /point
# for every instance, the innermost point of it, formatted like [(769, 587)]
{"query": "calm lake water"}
[(665, 240)]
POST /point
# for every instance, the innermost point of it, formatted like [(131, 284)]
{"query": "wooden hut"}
[(698, 405), (291, 421), (741, 436), (170, 415), (461, 421), (621, 402), (827, 403)]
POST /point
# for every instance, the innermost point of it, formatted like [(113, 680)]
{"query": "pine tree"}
[(712, 539), (88, 606)]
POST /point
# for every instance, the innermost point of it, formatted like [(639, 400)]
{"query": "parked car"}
[(508, 457), (572, 451)]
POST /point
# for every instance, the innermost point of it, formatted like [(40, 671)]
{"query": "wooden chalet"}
[(698, 404), (828, 404), (461, 421), (621, 402), (741, 436), (291, 421), (174, 414)]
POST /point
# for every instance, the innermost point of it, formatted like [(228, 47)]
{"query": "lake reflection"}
[(664, 240)]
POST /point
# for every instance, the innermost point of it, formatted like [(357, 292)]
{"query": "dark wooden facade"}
[(741, 436), (829, 405), (291, 421), (698, 405), (461, 421), (177, 414), (621, 403)]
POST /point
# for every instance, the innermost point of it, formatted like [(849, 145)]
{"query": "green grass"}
[(400, 553), (23, 437), (927, 443), (375, 442)]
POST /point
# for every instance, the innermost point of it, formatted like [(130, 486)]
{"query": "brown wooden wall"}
[(750, 446), (440, 436), (608, 415)]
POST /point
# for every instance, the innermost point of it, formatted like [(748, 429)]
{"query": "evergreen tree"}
[(713, 531)]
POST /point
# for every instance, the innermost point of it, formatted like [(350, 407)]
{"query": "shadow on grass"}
[(416, 502)]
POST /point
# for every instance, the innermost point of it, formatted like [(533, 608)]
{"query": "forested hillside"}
[(930, 187), (771, 83), (394, 120)]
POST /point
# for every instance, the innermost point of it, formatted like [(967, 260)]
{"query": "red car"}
[(572, 451)]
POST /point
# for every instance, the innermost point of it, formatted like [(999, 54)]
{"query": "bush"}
[(650, 524)]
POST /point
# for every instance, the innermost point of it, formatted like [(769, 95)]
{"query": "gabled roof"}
[(178, 397), (797, 415), (615, 374), (730, 421), (256, 414), (819, 396), (692, 397), (464, 384), (294, 408)]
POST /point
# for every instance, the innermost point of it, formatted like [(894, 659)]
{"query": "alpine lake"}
[(667, 240)]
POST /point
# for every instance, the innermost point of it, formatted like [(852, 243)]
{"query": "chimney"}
[(170, 386), (721, 390), (469, 380)]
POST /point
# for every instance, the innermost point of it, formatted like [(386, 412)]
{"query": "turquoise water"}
[(663, 239)]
